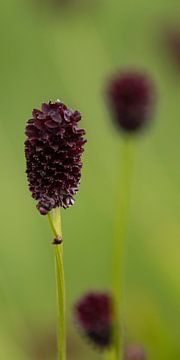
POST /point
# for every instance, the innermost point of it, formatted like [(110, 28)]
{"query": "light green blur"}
[(69, 55)]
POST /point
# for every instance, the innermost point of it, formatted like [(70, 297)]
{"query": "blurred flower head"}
[(53, 150), (131, 97), (134, 352), (93, 313)]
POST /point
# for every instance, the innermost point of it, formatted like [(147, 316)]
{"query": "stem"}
[(121, 222), (109, 354), (55, 222), (61, 301)]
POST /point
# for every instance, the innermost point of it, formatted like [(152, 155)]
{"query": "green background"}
[(50, 52)]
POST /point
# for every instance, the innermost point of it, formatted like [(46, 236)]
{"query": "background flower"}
[(93, 314), (130, 95)]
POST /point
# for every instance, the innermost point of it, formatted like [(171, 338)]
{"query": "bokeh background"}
[(67, 49)]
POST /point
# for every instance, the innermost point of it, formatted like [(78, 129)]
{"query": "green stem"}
[(109, 354), (61, 300), (55, 223), (121, 221)]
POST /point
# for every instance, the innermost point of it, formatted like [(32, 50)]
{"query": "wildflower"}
[(53, 150), (94, 316), (130, 95)]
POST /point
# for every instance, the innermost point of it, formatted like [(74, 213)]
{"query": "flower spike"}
[(53, 150)]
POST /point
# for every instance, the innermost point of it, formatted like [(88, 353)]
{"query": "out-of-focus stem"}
[(109, 354), (121, 220), (55, 222)]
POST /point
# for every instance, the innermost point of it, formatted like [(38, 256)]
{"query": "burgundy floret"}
[(130, 95), (53, 150), (94, 316)]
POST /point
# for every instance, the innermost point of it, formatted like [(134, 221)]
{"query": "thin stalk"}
[(121, 221), (55, 223), (109, 354)]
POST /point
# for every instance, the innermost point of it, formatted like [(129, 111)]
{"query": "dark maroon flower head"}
[(134, 352), (53, 150), (94, 316), (130, 95)]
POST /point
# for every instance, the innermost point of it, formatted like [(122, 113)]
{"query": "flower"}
[(130, 95), (93, 313), (53, 150), (134, 352)]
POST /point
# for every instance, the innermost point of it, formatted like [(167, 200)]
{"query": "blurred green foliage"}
[(53, 52)]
